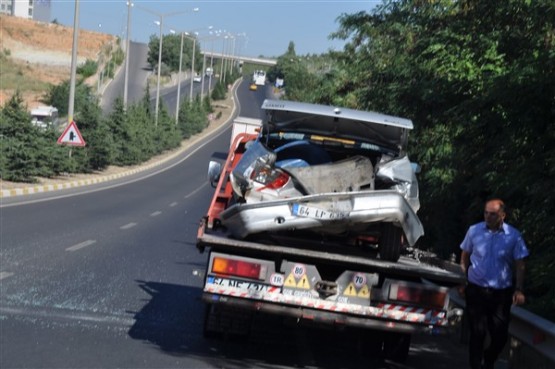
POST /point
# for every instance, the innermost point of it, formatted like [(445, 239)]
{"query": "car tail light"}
[(434, 297), (270, 178), (238, 268)]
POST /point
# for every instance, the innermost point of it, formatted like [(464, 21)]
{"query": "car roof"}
[(382, 129)]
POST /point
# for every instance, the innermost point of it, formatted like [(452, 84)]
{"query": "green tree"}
[(58, 96), (478, 80), (27, 151), (171, 46)]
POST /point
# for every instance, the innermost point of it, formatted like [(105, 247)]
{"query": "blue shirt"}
[(492, 254)]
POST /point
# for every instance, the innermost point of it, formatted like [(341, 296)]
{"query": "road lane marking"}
[(81, 245), (195, 191), (128, 225), (156, 213), (173, 204), (5, 275), (111, 319)]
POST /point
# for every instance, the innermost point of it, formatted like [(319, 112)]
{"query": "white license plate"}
[(316, 213), (238, 284)]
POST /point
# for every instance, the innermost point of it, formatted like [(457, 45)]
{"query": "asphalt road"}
[(139, 70), (112, 279)]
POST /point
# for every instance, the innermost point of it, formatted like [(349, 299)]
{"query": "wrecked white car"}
[(327, 174)]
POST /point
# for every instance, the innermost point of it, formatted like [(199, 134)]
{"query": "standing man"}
[(491, 250)]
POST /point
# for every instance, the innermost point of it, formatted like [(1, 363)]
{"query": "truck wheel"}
[(390, 243), (226, 322), (210, 325), (396, 347)]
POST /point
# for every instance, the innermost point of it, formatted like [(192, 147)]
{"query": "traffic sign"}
[(71, 136)]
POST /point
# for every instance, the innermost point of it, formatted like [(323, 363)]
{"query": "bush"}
[(88, 69)]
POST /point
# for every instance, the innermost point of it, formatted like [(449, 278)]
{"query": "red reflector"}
[(420, 296), (270, 178), (279, 182), (236, 268)]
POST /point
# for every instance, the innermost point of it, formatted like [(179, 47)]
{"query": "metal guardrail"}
[(534, 331), (529, 330)]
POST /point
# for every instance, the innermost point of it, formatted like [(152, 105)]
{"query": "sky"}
[(261, 28)]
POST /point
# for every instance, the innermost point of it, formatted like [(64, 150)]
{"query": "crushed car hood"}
[(385, 131)]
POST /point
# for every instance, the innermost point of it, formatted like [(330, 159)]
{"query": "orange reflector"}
[(236, 268)]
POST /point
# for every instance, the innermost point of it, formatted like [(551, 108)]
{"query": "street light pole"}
[(158, 81), (192, 69), (73, 76), (161, 16), (179, 81), (222, 60), (202, 74), (126, 79), (211, 67)]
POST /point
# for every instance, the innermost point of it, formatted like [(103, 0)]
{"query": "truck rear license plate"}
[(243, 285)]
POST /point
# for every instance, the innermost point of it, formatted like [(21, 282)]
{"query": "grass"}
[(16, 76)]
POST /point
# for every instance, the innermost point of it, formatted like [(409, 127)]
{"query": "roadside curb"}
[(34, 189)]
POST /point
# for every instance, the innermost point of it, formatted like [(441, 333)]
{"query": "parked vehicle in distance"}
[(208, 72), (197, 79), (44, 116), (253, 87), (259, 77)]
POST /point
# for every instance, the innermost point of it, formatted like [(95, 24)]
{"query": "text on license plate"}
[(316, 213), (238, 284)]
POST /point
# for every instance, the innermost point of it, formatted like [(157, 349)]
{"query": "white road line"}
[(195, 191), (156, 213), (5, 275), (173, 204), (127, 226), (81, 245)]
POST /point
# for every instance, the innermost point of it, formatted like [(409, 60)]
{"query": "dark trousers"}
[(488, 311)]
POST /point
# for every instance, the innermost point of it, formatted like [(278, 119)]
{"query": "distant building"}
[(38, 10)]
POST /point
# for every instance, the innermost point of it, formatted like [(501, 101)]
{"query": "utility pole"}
[(128, 34), (71, 102)]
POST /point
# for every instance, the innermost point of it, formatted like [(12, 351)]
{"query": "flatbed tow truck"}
[(316, 282)]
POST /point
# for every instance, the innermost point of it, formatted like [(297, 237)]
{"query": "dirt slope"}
[(41, 52)]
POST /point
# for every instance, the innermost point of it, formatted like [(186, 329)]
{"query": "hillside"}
[(35, 55)]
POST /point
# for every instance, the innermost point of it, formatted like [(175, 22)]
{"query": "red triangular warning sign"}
[(71, 136)]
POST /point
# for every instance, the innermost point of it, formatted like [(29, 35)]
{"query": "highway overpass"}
[(246, 59)]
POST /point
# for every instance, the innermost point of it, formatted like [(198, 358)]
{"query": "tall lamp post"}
[(179, 73), (73, 76), (192, 69), (160, 23), (223, 58), (128, 35)]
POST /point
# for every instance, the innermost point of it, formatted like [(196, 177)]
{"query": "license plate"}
[(316, 213), (238, 284)]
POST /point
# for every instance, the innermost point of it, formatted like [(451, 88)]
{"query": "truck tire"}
[(396, 347), (225, 322), (211, 322), (390, 243)]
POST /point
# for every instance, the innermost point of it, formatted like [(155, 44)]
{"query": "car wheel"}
[(390, 243)]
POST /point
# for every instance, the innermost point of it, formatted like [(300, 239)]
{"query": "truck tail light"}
[(238, 268), (418, 294), (270, 178)]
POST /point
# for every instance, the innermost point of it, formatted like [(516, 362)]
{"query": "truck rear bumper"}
[(315, 316)]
